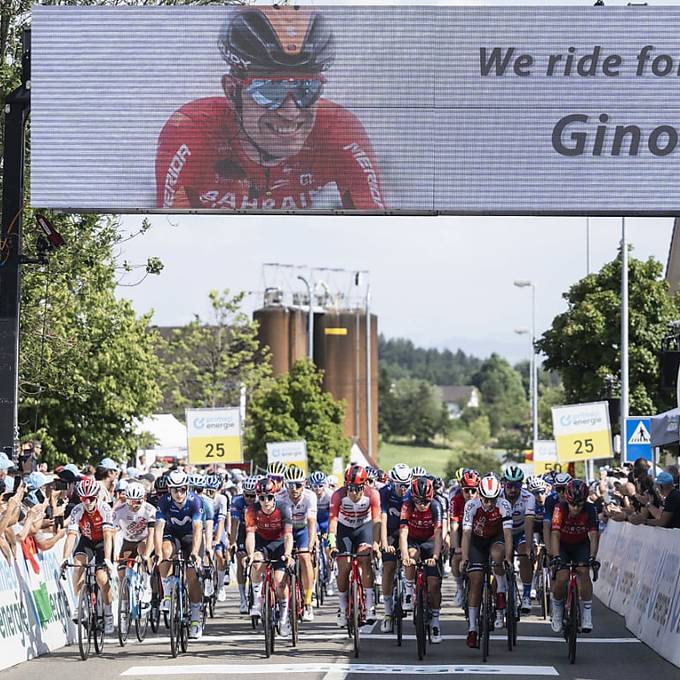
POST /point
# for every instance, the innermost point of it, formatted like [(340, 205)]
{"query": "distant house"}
[(459, 397)]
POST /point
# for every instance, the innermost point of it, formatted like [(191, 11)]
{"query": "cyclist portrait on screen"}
[(272, 141)]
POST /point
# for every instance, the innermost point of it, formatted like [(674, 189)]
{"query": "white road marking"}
[(345, 668)]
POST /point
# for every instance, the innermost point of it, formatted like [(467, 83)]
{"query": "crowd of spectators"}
[(35, 504), (638, 494)]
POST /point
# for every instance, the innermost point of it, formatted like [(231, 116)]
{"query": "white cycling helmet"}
[(250, 484), (536, 484), (489, 486), (418, 471), (562, 478), (177, 478), (400, 474), (135, 492)]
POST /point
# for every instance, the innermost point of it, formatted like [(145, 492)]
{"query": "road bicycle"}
[(397, 595), (132, 607), (572, 608), (320, 571), (513, 605), (295, 602), (356, 601), (208, 589), (269, 612), (156, 599), (543, 582), (486, 615), (90, 613), (422, 614), (179, 615)]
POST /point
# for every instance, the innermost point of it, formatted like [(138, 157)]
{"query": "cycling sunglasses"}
[(405, 487), (249, 495), (271, 93), (356, 488), (295, 485), (561, 488), (178, 489), (88, 499), (266, 497), (469, 490), (514, 486)]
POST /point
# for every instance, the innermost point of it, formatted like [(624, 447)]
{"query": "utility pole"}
[(17, 108)]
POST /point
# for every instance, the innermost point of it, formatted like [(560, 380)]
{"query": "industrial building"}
[(341, 347)]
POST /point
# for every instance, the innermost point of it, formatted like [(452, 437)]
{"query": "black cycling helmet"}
[(267, 39), (161, 484)]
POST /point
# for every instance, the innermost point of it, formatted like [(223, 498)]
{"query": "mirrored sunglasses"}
[(271, 93)]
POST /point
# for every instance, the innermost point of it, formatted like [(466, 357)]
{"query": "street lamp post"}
[(534, 363)]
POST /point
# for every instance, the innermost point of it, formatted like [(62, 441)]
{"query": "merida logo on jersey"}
[(176, 164), (364, 162)]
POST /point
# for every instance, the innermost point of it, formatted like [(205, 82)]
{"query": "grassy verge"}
[(432, 459)]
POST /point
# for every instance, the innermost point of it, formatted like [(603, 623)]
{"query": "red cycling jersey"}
[(487, 524), (355, 513), (91, 525), (269, 527), (422, 524), (457, 507), (574, 528), (200, 163)]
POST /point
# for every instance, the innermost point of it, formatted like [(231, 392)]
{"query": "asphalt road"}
[(230, 648)]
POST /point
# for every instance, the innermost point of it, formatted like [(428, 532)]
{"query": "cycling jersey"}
[(200, 163), (354, 514), (551, 500), (91, 525), (303, 509), (207, 510), (179, 521), (574, 529), (391, 504), (539, 513), (422, 524), (238, 508), (269, 527), (221, 507), (323, 510), (134, 524), (457, 506), (523, 506), (487, 524)]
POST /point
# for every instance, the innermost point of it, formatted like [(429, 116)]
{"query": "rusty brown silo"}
[(274, 332), (297, 335)]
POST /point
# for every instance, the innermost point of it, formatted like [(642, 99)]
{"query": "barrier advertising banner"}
[(461, 110), (645, 589)]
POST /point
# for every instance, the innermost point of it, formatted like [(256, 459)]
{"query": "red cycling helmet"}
[(470, 479), (267, 486), (88, 488), (422, 489), (355, 475), (576, 492)]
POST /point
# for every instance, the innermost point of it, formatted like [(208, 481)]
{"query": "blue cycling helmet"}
[(197, 480), (213, 481), (317, 479)]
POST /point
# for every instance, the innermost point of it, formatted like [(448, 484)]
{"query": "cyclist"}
[(420, 537), (276, 471), (469, 485), (574, 538), (560, 481), (272, 142), (318, 483), (354, 527), (179, 528), (92, 521), (392, 498), (237, 538), (221, 521), (269, 535), (160, 489), (442, 497), (538, 487), (136, 520), (382, 480), (487, 533), (302, 505), (418, 471), (523, 506)]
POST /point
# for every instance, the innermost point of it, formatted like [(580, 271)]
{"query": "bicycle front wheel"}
[(98, 622), (420, 624), (356, 605), (486, 610), (398, 614), (293, 604), (573, 622), (267, 623), (184, 621), (123, 611), (174, 622), (510, 620), (85, 616)]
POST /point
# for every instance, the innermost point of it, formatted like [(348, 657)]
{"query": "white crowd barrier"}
[(35, 606), (640, 579)]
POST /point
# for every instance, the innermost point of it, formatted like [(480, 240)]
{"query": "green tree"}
[(294, 406), (583, 343), (87, 367), (505, 401), (553, 396), (206, 363)]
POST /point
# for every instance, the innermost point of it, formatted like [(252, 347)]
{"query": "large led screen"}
[(464, 110)]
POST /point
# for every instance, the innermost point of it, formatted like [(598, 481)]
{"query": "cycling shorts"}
[(518, 539), (323, 526), (575, 552), (272, 550), (349, 539), (130, 549), (301, 538), (181, 544), (426, 549), (391, 540), (480, 550), (92, 551)]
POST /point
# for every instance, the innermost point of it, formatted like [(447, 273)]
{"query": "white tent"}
[(170, 435)]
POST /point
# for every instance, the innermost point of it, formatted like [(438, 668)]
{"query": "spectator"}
[(106, 474), (29, 456), (667, 516)]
